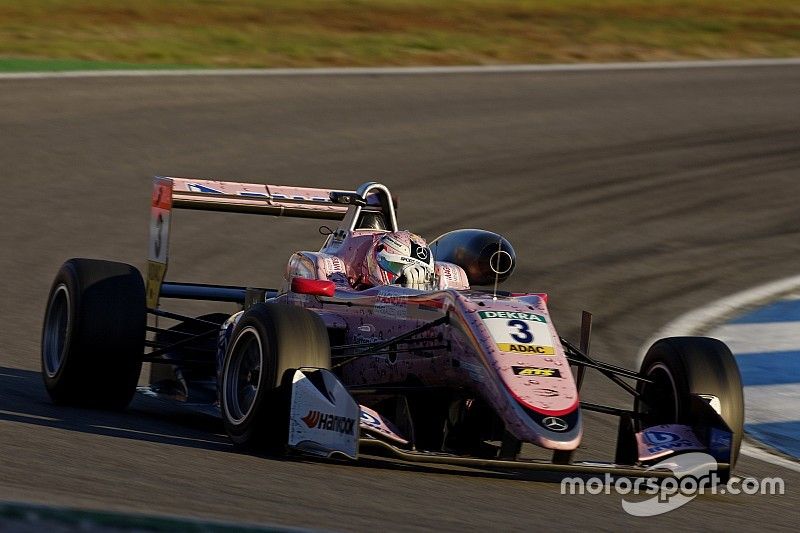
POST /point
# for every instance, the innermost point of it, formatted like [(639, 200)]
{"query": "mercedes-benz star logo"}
[(554, 423), (422, 253)]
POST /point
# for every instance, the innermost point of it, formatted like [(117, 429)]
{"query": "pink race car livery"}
[(378, 343)]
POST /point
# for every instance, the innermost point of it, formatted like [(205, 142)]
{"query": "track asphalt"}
[(638, 195)]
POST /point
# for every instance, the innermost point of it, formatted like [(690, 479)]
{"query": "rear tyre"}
[(93, 334), (268, 340), (681, 366)]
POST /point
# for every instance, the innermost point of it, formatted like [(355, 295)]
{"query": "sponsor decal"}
[(159, 234), (319, 420), (533, 371), (660, 437), (406, 260), (390, 298), (514, 315), (199, 187), (365, 339), (202, 188), (155, 276), (526, 348), (302, 198), (162, 194), (553, 423), (391, 304), (159, 239), (420, 252), (659, 440), (370, 420), (400, 247), (519, 332), (333, 265), (451, 277)]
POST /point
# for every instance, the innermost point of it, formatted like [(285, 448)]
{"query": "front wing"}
[(325, 421)]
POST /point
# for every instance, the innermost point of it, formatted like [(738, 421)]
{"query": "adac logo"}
[(329, 422), (526, 348)]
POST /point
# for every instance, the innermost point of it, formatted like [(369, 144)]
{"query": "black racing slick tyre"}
[(268, 340), (93, 334), (681, 366)]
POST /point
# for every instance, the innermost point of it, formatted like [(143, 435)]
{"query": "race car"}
[(377, 343)]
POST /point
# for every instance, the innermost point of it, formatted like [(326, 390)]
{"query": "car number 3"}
[(523, 333)]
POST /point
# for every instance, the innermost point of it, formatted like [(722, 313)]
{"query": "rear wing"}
[(276, 200)]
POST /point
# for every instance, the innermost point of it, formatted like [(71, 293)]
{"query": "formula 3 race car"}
[(376, 344)]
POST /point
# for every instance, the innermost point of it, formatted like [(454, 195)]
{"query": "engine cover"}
[(484, 255)]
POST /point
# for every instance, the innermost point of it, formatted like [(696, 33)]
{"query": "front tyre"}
[(682, 366), (93, 334), (268, 340)]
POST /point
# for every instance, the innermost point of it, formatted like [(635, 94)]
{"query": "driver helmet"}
[(395, 252)]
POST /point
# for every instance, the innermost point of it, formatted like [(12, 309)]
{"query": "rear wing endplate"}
[(208, 195)]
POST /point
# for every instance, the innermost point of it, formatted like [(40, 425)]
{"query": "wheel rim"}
[(660, 398), (243, 375), (57, 325)]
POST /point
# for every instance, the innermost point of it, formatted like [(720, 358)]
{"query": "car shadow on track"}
[(517, 475), (23, 399)]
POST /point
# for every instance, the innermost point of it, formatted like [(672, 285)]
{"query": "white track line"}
[(745, 339), (406, 71), (771, 403), (768, 457), (701, 320)]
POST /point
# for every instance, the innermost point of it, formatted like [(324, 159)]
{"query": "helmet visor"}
[(394, 267)]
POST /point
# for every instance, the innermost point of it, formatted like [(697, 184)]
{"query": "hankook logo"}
[(553, 423), (329, 422)]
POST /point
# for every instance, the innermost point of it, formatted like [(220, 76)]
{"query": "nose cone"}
[(523, 348)]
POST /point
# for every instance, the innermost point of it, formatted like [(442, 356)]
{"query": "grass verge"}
[(286, 33), (16, 64)]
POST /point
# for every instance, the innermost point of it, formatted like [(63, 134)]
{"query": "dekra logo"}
[(512, 314)]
